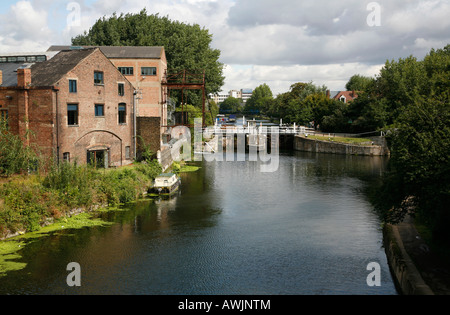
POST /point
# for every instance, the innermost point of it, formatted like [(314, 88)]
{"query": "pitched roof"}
[(48, 73), (349, 95), (9, 69), (9, 73), (121, 52)]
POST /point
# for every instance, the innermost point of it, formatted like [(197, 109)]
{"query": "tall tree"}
[(358, 83), (260, 98), (188, 47)]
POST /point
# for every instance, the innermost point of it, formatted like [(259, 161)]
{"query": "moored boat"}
[(166, 184)]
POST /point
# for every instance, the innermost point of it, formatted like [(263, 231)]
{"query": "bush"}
[(15, 157)]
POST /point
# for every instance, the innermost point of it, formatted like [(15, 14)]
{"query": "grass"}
[(345, 140)]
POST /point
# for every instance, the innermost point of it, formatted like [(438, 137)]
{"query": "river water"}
[(307, 228)]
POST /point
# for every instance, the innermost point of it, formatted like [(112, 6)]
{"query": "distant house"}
[(343, 96), (74, 106)]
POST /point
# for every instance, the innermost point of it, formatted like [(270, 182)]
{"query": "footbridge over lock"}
[(259, 137)]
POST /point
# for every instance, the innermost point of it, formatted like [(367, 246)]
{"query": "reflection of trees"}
[(329, 167)]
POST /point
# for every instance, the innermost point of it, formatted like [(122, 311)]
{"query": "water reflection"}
[(305, 229)]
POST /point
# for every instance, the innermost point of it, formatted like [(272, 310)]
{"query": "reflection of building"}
[(76, 105), (243, 94)]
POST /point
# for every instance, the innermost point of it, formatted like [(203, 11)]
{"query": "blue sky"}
[(277, 42)]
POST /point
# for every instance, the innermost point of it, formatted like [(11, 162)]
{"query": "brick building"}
[(145, 67), (76, 105)]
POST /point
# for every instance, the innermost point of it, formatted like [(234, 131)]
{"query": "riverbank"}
[(30, 202), (416, 268)]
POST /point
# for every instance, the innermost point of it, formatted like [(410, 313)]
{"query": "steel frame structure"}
[(184, 80)]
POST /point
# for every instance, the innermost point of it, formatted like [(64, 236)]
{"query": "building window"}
[(66, 157), (99, 110), (98, 77), (73, 86), (150, 71), (126, 70), (122, 114), (121, 89), (72, 114), (127, 153)]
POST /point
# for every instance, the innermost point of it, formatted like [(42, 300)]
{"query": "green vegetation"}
[(196, 112), (231, 105), (261, 95), (26, 203), (346, 140), (10, 250), (415, 97), (15, 158), (182, 167)]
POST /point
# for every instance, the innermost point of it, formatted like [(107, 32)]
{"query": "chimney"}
[(1, 77), (328, 94), (23, 77)]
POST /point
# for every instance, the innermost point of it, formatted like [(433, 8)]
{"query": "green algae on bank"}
[(10, 249), (9, 256), (189, 169)]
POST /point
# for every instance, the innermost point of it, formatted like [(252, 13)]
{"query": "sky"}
[(277, 42)]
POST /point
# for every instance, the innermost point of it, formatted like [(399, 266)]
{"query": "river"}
[(307, 228)]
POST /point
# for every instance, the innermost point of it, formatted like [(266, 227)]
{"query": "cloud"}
[(280, 78), (321, 32), (262, 41), (22, 26)]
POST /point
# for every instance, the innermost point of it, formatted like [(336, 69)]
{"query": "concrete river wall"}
[(302, 143)]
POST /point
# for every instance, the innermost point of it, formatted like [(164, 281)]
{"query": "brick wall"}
[(40, 116), (96, 132), (148, 132)]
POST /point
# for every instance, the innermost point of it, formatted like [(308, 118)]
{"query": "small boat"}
[(166, 184)]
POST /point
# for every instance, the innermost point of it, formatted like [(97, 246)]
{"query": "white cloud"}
[(263, 41), (280, 78), (24, 27)]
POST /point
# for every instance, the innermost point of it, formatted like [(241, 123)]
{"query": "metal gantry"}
[(185, 80)]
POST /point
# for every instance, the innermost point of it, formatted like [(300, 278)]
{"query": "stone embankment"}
[(303, 143)]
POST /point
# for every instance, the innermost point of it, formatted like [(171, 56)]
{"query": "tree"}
[(230, 106), (294, 106), (187, 46), (358, 83), (259, 100), (417, 182)]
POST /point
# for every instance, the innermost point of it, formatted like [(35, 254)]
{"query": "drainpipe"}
[(57, 125), (134, 124)]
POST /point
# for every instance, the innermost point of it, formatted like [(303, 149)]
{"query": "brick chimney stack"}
[(23, 77)]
